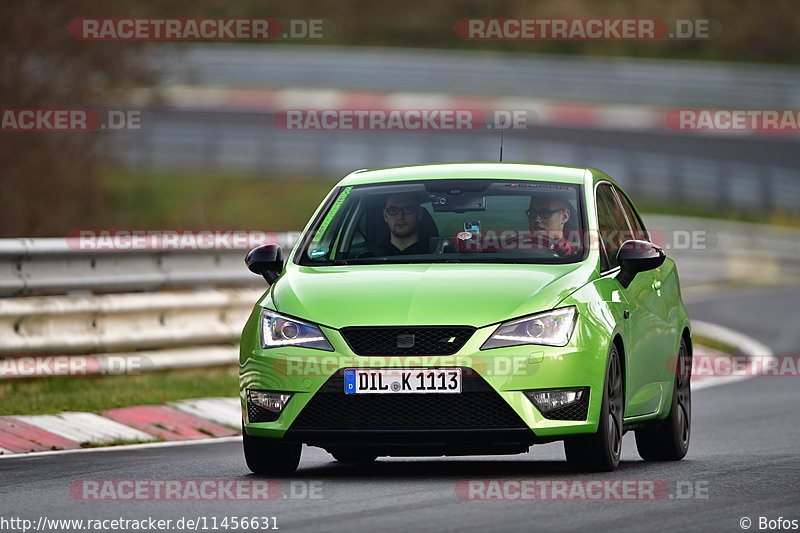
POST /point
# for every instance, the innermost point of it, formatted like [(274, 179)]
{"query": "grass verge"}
[(278, 203), (775, 218), (211, 201), (57, 394), (715, 344)]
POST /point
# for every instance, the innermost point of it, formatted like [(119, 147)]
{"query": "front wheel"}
[(600, 452), (265, 456), (669, 440)]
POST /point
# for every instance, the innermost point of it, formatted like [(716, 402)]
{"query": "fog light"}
[(548, 400), (271, 401)]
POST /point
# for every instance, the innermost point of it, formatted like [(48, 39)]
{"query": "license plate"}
[(402, 381)]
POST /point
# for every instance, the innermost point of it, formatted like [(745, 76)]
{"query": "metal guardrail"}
[(59, 266), (115, 322), (728, 250), (585, 79), (185, 323)]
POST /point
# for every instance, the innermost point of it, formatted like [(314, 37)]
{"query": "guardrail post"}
[(766, 189)]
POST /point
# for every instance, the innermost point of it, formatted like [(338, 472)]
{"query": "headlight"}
[(552, 328), (278, 330)]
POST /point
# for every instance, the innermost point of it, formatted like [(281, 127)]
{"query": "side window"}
[(639, 231), (612, 224)]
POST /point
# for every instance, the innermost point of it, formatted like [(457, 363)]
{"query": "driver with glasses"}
[(402, 214)]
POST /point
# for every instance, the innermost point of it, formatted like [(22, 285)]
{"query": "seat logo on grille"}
[(405, 340)]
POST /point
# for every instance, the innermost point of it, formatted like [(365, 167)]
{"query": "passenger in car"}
[(547, 216)]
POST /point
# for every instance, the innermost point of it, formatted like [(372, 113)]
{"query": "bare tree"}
[(51, 182)]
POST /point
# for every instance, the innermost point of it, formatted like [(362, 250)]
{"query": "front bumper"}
[(411, 442), (506, 373)]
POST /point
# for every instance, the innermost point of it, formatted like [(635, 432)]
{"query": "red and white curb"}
[(225, 411), (744, 345), (85, 428), (547, 112), (185, 420), (167, 422)]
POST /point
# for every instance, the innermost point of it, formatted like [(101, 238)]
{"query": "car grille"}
[(415, 340), (574, 411), (478, 406)]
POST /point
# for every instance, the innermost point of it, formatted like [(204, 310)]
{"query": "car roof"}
[(514, 171)]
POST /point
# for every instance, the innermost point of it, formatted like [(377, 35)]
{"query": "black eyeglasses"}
[(406, 209), (542, 213)]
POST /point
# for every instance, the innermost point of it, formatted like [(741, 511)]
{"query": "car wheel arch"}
[(686, 336), (620, 345)]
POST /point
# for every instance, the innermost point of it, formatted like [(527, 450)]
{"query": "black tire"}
[(669, 439), (353, 456), (265, 456), (600, 451)]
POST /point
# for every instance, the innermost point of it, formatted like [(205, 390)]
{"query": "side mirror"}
[(266, 260), (635, 257)]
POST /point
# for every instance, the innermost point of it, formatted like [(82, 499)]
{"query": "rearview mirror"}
[(637, 256), (267, 261), (458, 203)]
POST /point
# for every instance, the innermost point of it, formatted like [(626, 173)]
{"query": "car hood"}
[(422, 294)]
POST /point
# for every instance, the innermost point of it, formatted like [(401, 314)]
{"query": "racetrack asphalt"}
[(744, 456)]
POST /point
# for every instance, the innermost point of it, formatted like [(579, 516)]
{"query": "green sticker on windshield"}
[(334, 209)]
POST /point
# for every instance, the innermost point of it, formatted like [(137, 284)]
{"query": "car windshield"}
[(432, 221)]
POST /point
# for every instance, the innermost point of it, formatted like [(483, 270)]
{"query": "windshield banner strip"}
[(334, 209)]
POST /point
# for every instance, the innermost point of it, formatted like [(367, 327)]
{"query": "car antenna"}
[(502, 130)]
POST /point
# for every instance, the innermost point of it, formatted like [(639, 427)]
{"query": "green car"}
[(462, 309)]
